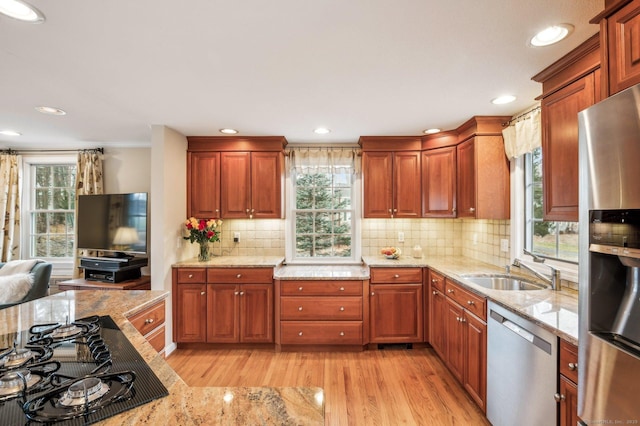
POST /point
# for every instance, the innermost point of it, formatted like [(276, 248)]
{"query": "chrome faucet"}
[(553, 280)]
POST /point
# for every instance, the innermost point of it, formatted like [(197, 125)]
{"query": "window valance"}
[(324, 160)]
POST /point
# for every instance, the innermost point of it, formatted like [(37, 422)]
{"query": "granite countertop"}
[(233, 262), (322, 272), (185, 404)]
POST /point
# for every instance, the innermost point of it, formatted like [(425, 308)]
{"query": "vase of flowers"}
[(203, 232)]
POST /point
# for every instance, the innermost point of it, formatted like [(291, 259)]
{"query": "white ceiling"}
[(279, 67)]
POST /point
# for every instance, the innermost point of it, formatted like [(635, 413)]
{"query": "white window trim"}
[(290, 236), (568, 271), (61, 267)]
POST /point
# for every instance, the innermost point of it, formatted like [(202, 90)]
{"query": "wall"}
[(476, 239), (127, 170)]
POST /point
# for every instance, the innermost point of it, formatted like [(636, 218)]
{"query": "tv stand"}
[(142, 283), (112, 270)]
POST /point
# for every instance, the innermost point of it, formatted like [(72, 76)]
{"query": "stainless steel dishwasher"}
[(521, 370)]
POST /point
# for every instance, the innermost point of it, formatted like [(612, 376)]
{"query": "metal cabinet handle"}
[(253, 210), (471, 302), (246, 210), (389, 210), (190, 275), (236, 292), (433, 280), (341, 308), (341, 288), (463, 320), (373, 293), (472, 209), (202, 293), (559, 397), (449, 290), (453, 211), (396, 276), (342, 333), (239, 276), (242, 293), (573, 366), (299, 308), (300, 333), (299, 288), (148, 321), (435, 292), (395, 210)]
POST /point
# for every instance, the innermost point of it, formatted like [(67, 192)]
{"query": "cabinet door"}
[(437, 322), (377, 181), (466, 194), (235, 181), (222, 313), (203, 185), (623, 47), (439, 182), (191, 312), (406, 181), (454, 339), (568, 402), (475, 372), (395, 312), (560, 147), (256, 313), (266, 185)]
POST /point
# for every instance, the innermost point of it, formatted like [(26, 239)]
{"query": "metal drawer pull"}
[(299, 288), (299, 308), (239, 276), (342, 308), (236, 292), (573, 366), (300, 333), (373, 293), (341, 288), (202, 293), (470, 302), (242, 293), (559, 397), (342, 333), (472, 210), (148, 321), (435, 293), (433, 280), (396, 276), (449, 290), (190, 275)]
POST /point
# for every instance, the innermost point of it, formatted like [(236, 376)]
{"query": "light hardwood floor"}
[(377, 387)]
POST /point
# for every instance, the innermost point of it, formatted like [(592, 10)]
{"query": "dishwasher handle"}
[(525, 334)]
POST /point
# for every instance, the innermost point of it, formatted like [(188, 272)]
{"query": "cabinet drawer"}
[(569, 360), (437, 281), (239, 275), (396, 275), (148, 319), (156, 339), (190, 276), (321, 333), (470, 301), (321, 308), (321, 288)]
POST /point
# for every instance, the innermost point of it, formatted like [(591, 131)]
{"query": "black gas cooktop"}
[(72, 374)]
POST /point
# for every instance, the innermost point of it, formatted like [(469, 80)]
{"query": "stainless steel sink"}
[(504, 282)]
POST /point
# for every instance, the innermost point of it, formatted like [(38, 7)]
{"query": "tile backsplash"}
[(477, 239)]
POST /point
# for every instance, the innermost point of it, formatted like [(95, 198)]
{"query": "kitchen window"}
[(324, 206), (549, 239), (49, 208)]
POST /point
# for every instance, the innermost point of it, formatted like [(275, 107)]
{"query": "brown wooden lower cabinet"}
[(151, 324), (395, 313), (567, 396), (459, 334), (210, 307)]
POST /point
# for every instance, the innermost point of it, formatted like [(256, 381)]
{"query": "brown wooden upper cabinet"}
[(232, 177), (569, 86), (482, 169), (620, 45), (439, 176), (391, 176)]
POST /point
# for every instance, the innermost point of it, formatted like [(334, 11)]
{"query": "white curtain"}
[(523, 135), (88, 181), (10, 206), (324, 160)]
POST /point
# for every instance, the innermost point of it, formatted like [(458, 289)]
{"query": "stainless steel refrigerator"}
[(609, 336)]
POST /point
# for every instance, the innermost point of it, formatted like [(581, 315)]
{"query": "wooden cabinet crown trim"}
[(611, 7), (232, 143), (390, 143)]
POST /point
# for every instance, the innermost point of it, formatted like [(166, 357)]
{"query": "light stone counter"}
[(185, 405), (233, 262), (322, 272)]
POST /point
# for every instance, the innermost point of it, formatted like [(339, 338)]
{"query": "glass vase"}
[(204, 254)]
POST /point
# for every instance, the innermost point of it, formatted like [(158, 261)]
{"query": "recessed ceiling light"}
[(50, 110), (552, 34), (8, 132), (18, 9), (500, 100), (228, 131), (322, 131), (430, 131)]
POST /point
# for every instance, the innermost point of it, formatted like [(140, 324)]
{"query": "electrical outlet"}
[(236, 237), (504, 245), (401, 237)]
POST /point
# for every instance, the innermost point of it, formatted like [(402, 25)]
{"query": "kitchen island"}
[(184, 405)]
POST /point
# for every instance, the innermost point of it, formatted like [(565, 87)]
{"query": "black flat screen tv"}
[(116, 224)]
